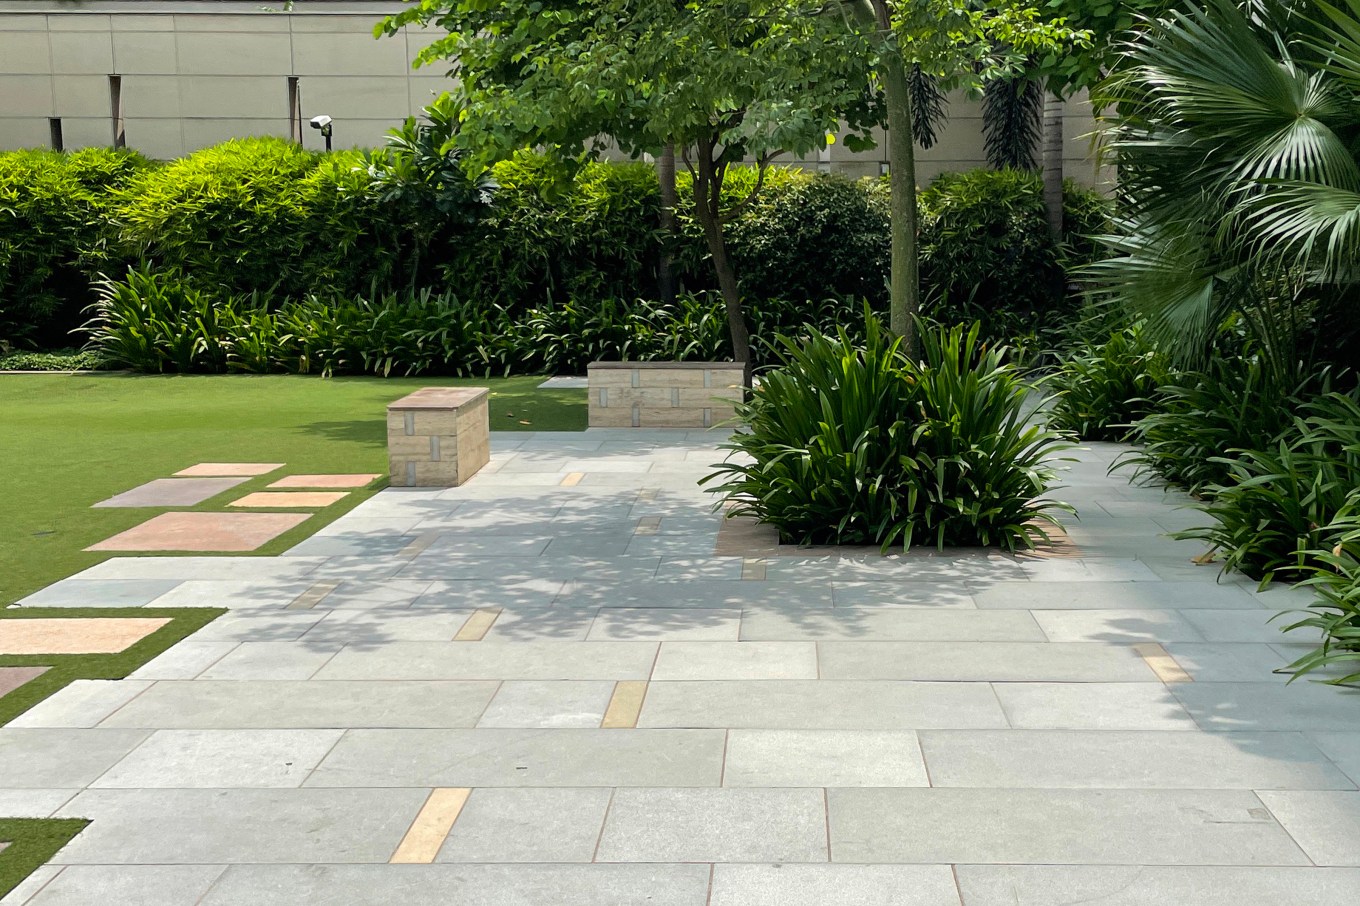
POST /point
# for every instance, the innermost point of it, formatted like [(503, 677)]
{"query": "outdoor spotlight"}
[(323, 123)]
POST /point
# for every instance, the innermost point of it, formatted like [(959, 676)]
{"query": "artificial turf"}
[(32, 841), (69, 441)]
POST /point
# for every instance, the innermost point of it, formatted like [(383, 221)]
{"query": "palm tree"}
[(1236, 142)]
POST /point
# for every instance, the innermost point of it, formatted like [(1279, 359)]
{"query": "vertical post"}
[(116, 111), (294, 109)]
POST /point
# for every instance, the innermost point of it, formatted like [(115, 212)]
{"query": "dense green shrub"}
[(1102, 389), (1336, 610), (259, 215), (55, 235), (58, 360), (851, 444), (986, 249)]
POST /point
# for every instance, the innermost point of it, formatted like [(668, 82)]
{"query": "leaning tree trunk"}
[(707, 208), (1053, 163), (665, 177)]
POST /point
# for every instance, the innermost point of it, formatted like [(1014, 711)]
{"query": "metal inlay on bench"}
[(664, 394), (438, 437)]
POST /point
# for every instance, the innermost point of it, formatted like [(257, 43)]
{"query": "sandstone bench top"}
[(440, 398), (667, 366)]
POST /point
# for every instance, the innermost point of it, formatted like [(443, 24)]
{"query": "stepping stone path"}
[(202, 532), (91, 635), (242, 469), (325, 481), (12, 678), (167, 492), (571, 682), (278, 499)]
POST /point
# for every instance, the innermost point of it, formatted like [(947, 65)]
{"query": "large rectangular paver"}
[(1075, 662), (833, 885), (82, 704), (168, 492), (548, 704), (486, 757), (687, 624), (203, 532), (1326, 824), (1268, 705), (100, 593), (527, 825), (255, 704), (736, 661), (803, 704), (1124, 759), (221, 758), (1092, 706), (1142, 885), (1117, 627), (272, 661), (694, 825), (823, 758), (85, 635), (144, 885), (1115, 827), (56, 759), (773, 623), (178, 827), (524, 660), (1112, 596)]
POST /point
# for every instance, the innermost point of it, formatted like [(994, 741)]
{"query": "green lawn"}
[(68, 441)]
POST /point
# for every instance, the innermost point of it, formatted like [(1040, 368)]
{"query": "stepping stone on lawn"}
[(324, 481), (232, 469), (564, 382), (172, 492), (290, 499), (203, 532), (76, 635), (12, 678)]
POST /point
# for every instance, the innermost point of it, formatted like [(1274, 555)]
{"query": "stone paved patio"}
[(545, 687)]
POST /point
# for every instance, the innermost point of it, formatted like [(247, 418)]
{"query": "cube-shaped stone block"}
[(438, 437), (663, 394)]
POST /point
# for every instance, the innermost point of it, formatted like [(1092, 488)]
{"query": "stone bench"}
[(663, 394), (438, 437)]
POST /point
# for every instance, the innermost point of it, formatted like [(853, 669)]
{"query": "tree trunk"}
[(665, 177), (905, 279), (707, 200), (1053, 163)]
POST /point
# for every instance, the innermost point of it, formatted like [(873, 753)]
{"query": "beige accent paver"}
[(324, 481), (1162, 663), (573, 479), (477, 625), (752, 569), (203, 532), (313, 596), (648, 525), (228, 469), (432, 825), (284, 499), (625, 705), (78, 635)]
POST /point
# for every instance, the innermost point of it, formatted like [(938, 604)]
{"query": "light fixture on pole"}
[(323, 123)]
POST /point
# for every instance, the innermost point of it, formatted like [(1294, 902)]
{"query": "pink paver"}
[(265, 499), (203, 532), (75, 635), (324, 481), (228, 469), (12, 678)]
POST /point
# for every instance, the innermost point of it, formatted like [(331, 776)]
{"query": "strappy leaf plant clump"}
[(850, 443)]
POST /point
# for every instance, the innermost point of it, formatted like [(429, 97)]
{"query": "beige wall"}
[(197, 72)]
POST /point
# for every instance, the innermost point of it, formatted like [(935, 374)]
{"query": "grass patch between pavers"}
[(69, 441), (64, 668), (32, 842)]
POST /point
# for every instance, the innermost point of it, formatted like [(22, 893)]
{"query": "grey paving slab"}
[(468, 660), (211, 759), (685, 569), (237, 595), (1268, 705), (489, 592), (356, 522), (700, 593), (1324, 824), (183, 661), (724, 825), (259, 626), (1121, 759), (1246, 626), (99, 593), (1117, 627), (540, 624), (1092, 706), (129, 885), (902, 594), (271, 661), (82, 704), (918, 567), (388, 593), (1142, 885), (823, 758), (372, 628), (833, 885), (281, 704), (548, 704), (60, 759), (1102, 827), (663, 624), (523, 758), (888, 623), (185, 827), (1098, 595), (172, 492), (820, 704), (1216, 662), (1105, 569), (351, 545), (220, 568), (607, 571), (527, 825), (466, 885), (1068, 662), (40, 878), (736, 661), (24, 803), (1342, 747)]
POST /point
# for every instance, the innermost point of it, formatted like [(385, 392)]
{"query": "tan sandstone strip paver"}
[(1162, 663), (203, 532), (625, 705), (94, 635), (313, 596), (477, 625), (572, 479), (228, 469), (753, 569), (428, 832), (282, 499), (324, 481)]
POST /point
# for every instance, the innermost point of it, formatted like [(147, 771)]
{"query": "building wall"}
[(193, 73)]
